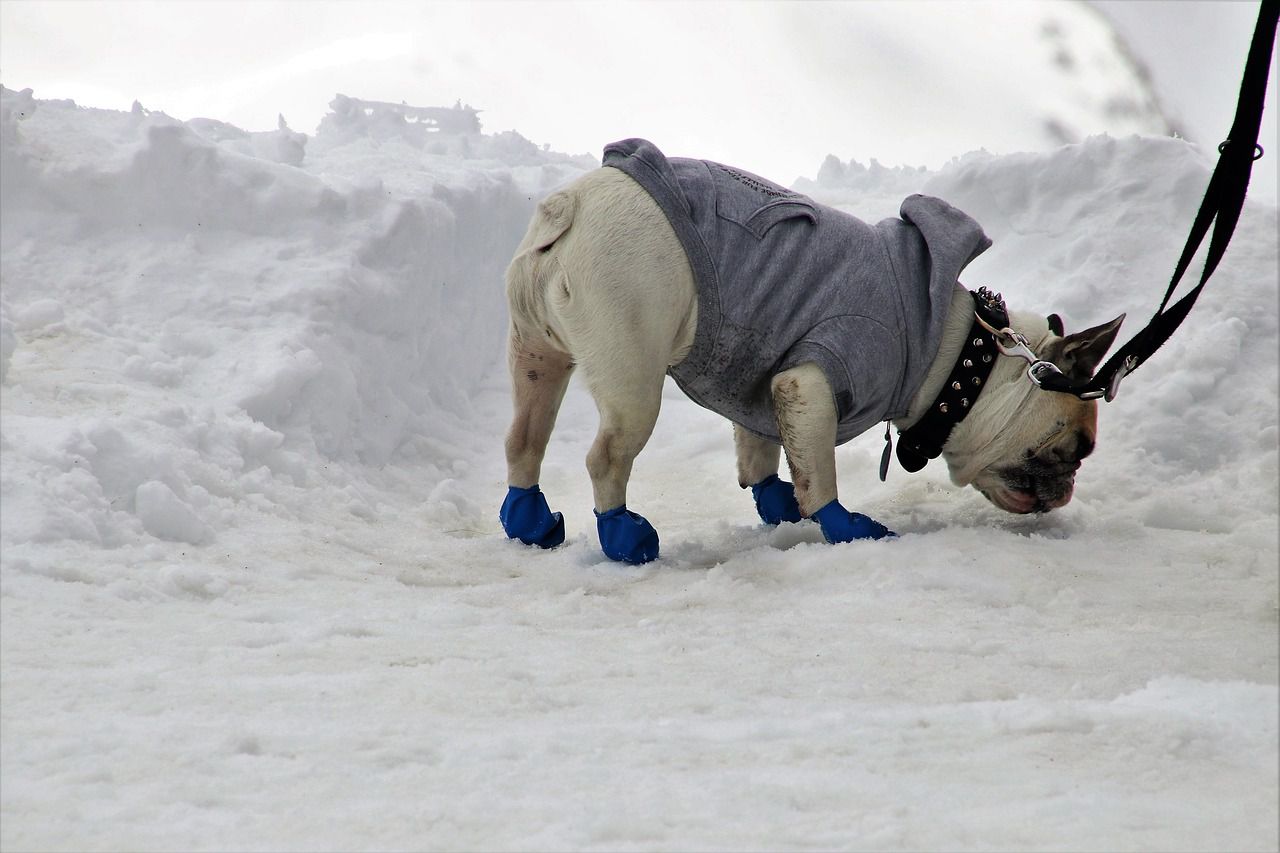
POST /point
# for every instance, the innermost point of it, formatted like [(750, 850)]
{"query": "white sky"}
[(775, 86)]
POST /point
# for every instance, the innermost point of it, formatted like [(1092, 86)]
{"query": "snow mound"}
[(233, 327)]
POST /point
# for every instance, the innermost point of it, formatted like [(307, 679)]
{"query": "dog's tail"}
[(532, 269)]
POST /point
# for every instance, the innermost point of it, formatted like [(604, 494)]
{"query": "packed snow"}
[(255, 594)]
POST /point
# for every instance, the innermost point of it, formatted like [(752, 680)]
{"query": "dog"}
[(799, 323)]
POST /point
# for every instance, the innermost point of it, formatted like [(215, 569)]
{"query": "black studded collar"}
[(925, 439)]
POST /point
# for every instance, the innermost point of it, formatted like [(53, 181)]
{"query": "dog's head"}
[(1022, 445)]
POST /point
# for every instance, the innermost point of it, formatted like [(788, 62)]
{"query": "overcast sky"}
[(549, 70)]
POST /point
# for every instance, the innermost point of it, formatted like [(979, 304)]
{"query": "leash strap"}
[(1221, 207)]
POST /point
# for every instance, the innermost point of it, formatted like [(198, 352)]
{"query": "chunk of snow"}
[(163, 514), (38, 316)]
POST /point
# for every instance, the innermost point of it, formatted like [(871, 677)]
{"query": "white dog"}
[(798, 322)]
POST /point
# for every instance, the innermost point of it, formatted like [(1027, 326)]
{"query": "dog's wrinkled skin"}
[(601, 283)]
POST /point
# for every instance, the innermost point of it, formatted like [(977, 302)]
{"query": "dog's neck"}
[(954, 333)]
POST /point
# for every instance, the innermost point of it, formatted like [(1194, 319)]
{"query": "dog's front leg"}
[(758, 471), (807, 419), (806, 414)]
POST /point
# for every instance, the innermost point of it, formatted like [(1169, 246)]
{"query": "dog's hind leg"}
[(807, 419), (622, 332), (540, 364), (628, 412), (628, 395), (539, 377), (757, 458), (758, 470)]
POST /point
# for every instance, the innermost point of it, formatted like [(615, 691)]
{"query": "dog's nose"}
[(1084, 445), (1070, 451)]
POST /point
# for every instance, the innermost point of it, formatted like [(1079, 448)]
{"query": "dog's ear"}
[(1055, 324), (1079, 354)]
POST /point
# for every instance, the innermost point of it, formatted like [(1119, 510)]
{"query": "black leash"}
[(1223, 201)]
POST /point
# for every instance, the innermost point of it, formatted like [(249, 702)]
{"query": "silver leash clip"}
[(1013, 343), (1045, 374), (1126, 367)]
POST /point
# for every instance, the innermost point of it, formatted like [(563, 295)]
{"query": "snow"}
[(255, 595), (1198, 97), (775, 84)]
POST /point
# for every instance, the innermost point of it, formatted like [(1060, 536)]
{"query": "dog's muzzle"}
[(1034, 487), (1044, 480)]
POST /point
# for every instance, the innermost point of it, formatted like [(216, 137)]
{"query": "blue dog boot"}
[(627, 536), (776, 500), (840, 525), (526, 516)]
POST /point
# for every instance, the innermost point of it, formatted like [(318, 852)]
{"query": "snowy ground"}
[(255, 596)]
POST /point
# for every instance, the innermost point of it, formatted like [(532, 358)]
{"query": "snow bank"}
[(249, 322), (254, 315)]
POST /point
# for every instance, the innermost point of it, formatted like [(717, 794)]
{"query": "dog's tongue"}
[(1015, 501)]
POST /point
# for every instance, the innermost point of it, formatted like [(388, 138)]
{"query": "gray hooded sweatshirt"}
[(783, 280)]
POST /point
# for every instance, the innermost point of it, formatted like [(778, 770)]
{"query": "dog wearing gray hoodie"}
[(800, 323)]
